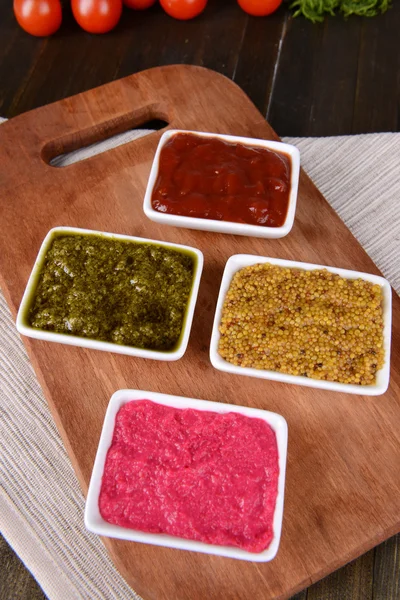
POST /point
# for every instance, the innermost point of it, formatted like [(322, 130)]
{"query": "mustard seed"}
[(313, 323)]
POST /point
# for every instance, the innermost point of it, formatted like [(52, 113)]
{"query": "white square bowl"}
[(25, 329), (96, 524), (237, 262), (227, 226)]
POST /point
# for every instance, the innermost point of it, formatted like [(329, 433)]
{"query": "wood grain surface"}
[(333, 78), (342, 494)]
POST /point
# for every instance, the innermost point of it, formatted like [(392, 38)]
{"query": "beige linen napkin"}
[(41, 505)]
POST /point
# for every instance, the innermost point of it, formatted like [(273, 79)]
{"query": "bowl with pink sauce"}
[(189, 474)]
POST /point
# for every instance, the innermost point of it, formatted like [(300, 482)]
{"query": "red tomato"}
[(97, 16), (183, 9), (259, 8), (38, 17), (139, 4)]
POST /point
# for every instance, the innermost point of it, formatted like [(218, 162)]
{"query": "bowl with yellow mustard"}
[(302, 323)]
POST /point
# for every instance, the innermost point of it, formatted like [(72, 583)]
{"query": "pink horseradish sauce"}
[(194, 474)]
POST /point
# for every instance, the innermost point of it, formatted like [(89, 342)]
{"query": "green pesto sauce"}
[(127, 293)]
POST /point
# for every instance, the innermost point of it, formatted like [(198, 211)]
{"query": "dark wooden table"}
[(334, 78)]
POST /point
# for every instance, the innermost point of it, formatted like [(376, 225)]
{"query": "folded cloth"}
[(41, 505)]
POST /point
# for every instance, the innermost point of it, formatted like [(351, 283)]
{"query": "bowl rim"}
[(237, 262), (73, 340), (226, 226), (96, 524)]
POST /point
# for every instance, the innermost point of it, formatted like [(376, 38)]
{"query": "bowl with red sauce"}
[(223, 183), (189, 474)]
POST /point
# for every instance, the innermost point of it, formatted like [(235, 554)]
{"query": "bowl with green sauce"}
[(112, 292)]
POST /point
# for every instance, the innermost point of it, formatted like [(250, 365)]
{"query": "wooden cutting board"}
[(343, 476)]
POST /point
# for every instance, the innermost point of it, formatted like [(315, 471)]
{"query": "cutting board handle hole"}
[(84, 145)]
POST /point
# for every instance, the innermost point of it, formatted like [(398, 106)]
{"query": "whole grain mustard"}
[(310, 323)]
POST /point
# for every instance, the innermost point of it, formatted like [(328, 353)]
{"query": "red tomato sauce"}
[(194, 474), (209, 178)]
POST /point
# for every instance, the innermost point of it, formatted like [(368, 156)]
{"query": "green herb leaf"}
[(364, 8), (316, 10)]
